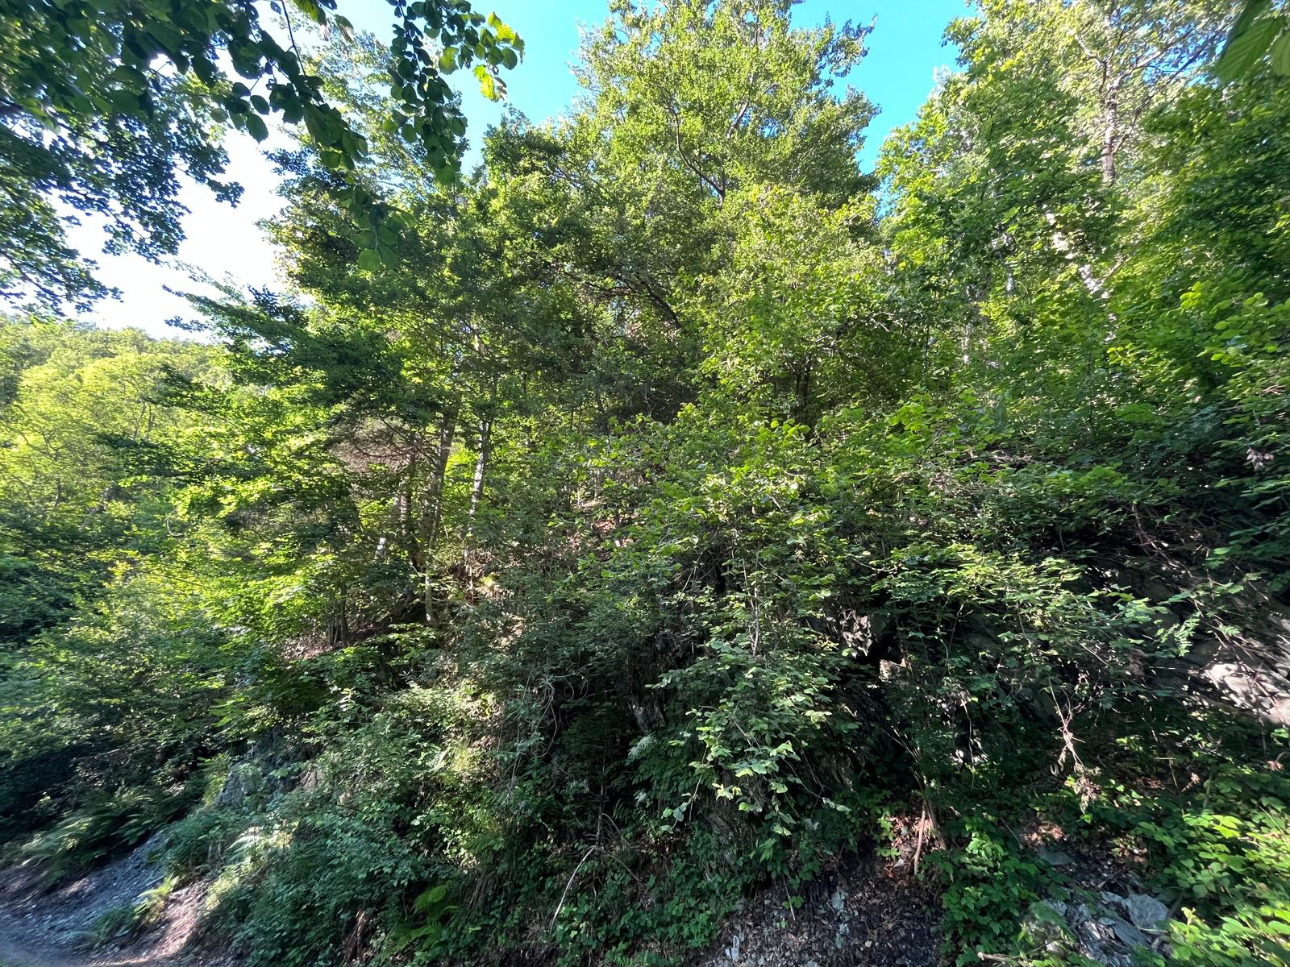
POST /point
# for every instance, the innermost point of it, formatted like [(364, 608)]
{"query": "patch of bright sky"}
[(226, 243)]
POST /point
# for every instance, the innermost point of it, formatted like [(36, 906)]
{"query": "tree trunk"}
[(407, 519), (432, 517), (477, 485), (1110, 131)]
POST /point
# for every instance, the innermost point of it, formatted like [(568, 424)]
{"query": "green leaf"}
[(125, 102), (312, 9), (368, 260), (1246, 45), (1252, 11), (430, 898), (1281, 54), (256, 127)]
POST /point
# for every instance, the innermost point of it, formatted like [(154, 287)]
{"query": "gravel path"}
[(41, 929), (16, 952)]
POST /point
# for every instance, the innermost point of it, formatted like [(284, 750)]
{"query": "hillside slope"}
[(618, 555)]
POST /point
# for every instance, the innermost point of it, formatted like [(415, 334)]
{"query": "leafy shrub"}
[(989, 885), (1223, 854), (103, 827)]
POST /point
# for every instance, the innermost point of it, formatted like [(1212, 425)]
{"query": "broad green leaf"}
[(1281, 54), (1245, 47), (311, 9), (256, 127)]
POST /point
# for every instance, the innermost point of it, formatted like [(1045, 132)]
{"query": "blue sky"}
[(904, 52)]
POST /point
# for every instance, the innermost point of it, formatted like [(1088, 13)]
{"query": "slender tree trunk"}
[(407, 519), (477, 485), (432, 517), (481, 466), (1110, 131)]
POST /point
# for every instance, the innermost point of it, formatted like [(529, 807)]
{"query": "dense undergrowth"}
[(676, 505)]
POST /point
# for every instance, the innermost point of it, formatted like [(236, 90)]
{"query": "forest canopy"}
[(670, 511)]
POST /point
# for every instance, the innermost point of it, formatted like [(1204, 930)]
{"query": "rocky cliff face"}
[(1248, 669)]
